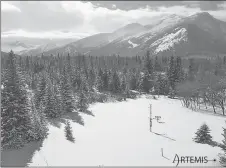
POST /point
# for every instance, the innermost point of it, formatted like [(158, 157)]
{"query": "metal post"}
[(150, 119)]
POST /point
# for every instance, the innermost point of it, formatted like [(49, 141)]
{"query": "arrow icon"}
[(214, 160)]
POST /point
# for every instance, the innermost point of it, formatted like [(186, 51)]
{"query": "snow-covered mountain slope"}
[(39, 49), (169, 40), (16, 46), (183, 35)]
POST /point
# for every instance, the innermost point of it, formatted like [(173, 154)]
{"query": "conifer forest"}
[(87, 83)]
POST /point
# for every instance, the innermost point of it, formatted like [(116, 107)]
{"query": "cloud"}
[(7, 7), (95, 17), (40, 16), (51, 34), (113, 6), (222, 5), (102, 19), (221, 13)]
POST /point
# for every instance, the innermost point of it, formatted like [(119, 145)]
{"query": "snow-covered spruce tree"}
[(115, 85), (15, 108), (191, 69), (99, 84), (40, 95), (68, 132), (66, 94), (171, 74), (82, 101), (158, 85), (50, 108), (84, 84), (223, 147), (105, 80), (145, 84), (68, 101), (203, 135), (172, 93), (148, 63), (133, 81), (123, 84), (178, 70), (91, 79), (39, 122), (127, 92), (58, 98), (157, 66)]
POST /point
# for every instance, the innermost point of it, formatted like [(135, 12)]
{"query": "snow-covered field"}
[(119, 135)]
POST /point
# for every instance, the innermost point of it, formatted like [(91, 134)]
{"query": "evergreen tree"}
[(40, 95), (82, 101), (40, 129), (99, 81), (15, 108), (115, 83), (91, 78), (218, 67), (133, 81), (223, 147), (148, 63), (224, 60), (178, 70), (145, 84), (50, 109), (191, 70), (159, 86), (157, 66), (68, 100), (68, 132), (172, 73), (203, 135), (105, 79), (172, 93), (84, 84), (67, 97), (123, 84), (58, 99)]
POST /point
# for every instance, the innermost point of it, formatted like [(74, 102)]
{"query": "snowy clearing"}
[(119, 135)]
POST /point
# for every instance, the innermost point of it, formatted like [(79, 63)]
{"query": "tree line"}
[(38, 88)]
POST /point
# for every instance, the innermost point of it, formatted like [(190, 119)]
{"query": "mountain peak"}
[(202, 15), (131, 26)]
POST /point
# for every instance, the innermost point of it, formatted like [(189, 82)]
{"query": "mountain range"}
[(200, 33)]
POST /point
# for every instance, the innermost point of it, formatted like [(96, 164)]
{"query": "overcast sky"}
[(79, 19)]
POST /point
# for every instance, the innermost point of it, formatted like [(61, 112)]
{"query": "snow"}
[(133, 44), (166, 23), (148, 38), (125, 39), (119, 135), (170, 40), (48, 47), (67, 49)]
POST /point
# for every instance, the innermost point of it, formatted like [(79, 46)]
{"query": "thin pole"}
[(150, 119)]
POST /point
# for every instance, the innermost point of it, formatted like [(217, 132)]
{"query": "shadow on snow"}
[(20, 157), (74, 117)]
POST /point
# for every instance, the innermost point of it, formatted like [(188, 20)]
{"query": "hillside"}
[(191, 35)]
